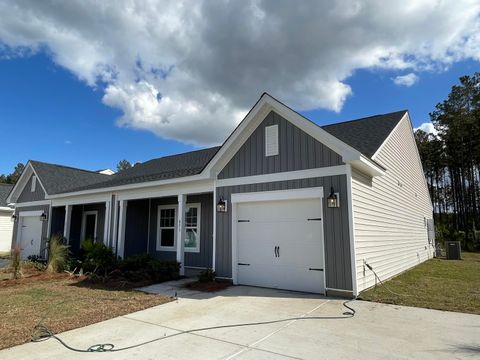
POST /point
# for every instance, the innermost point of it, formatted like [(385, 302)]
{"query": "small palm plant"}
[(57, 254)]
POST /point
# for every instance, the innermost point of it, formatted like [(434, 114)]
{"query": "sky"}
[(86, 83)]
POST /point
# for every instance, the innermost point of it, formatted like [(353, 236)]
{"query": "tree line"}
[(451, 162)]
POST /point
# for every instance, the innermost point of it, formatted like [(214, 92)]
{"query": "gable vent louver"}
[(271, 140)]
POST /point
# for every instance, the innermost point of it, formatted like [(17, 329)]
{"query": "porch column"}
[(68, 220), (106, 230), (121, 228), (181, 233)]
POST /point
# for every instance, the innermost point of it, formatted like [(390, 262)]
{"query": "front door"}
[(89, 227)]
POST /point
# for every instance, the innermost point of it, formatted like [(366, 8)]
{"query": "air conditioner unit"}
[(453, 250)]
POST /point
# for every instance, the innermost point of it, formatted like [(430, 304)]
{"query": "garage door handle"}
[(313, 269), (243, 264), (315, 219), (243, 220)]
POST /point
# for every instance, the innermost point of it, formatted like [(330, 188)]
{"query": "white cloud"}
[(190, 70), (68, 142), (406, 80), (428, 128)]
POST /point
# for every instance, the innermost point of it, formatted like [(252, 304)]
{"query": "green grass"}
[(451, 285)]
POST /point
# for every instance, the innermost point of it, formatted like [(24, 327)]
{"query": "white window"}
[(271, 140), (192, 228), (34, 183), (167, 227)]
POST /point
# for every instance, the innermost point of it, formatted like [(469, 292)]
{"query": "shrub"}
[(140, 266), (97, 257), (34, 265), (15, 261), (207, 275), (58, 254)]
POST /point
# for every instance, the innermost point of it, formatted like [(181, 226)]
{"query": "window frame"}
[(198, 206), (159, 246)]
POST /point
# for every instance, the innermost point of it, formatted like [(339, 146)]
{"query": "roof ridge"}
[(365, 118), (67, 167), (183, 153)]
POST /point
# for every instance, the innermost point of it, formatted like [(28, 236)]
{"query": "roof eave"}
[(367, 166), (141, 185)]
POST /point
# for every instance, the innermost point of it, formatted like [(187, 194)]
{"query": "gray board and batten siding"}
[(297, 151), (28, 195), (141, 232)]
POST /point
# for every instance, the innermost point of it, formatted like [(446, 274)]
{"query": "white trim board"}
[(297, 194), (30, 213), (284, 176), (351, 230), (33, 203)]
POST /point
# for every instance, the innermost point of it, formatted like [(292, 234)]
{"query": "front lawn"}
[(66, 302), (451, 285)]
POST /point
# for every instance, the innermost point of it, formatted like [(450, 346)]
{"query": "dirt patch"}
[(32, 277), (64, 302), (211, 286)]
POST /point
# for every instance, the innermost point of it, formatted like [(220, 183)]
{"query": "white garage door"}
[(30, 235), (280, 244)]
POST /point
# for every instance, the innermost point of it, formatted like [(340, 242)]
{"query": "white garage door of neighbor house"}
[(280, 245), (30, 228)]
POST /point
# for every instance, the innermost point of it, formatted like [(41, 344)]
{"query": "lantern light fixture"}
[(43, 217), (222, 205), (333, 200), (14, 217)]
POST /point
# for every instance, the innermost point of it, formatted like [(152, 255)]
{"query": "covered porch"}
[(170, 228), (78, 221), (170, 225)]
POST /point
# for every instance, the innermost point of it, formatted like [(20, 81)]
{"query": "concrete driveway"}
[(376, 332)]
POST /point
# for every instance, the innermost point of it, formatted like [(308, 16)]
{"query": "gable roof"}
[(167, 167), (58, 179), (356, 140), (4, 191), (366, 134)]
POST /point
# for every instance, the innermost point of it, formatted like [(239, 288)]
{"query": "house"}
[(283, 203), (6, 224)]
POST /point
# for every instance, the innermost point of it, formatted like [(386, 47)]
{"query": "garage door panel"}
[(30, 236), (280, 244)]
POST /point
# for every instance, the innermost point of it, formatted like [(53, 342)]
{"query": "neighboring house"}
[(282, 203), (6, 224)]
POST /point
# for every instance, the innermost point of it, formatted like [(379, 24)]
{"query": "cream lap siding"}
[(6, 230), (390, 211)]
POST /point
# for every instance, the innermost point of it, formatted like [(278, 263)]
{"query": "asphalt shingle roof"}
[(59, 179), (366, 134), (4, 191), (168, 167)]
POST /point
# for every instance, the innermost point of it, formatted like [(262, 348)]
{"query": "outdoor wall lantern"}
[(333, 200), (222, 205), (14, 217), (43, 217)]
